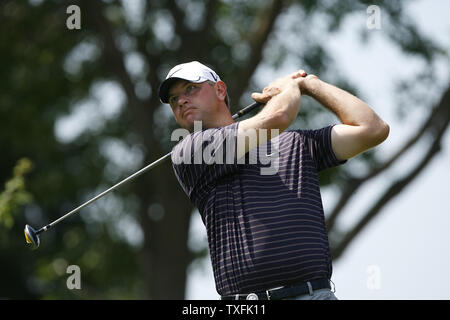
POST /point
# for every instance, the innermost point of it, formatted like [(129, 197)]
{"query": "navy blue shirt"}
[(265, 228)]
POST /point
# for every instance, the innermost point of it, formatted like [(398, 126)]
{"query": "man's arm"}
[(361, 127), (282, 98)]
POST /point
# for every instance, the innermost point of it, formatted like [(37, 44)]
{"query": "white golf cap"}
[(193, 71)]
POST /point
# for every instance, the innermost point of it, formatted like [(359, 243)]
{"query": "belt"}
[(284, 292)]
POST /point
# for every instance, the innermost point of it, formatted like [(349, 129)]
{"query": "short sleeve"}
[(320, 148), (202, 158)]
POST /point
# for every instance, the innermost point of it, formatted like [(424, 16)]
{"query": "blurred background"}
[(79, 111)]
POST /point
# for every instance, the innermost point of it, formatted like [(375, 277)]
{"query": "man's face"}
[(193, 102)]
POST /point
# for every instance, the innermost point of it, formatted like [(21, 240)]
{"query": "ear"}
[(221, 90)]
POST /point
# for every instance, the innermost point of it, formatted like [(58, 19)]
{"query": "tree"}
[(129, 46), (15, 193)]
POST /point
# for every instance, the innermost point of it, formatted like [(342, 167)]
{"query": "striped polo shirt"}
[(265, 228)]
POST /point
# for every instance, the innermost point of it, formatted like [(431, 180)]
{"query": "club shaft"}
[(246, 110), (133, 176), (239, 114)]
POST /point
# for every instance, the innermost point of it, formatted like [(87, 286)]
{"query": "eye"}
[(173, 100), (190, 89)]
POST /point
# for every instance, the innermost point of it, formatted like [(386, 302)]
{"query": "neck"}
[(221, 119), (217, 124), (225, 118), (224, 121)]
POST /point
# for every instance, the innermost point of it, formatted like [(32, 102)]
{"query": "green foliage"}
[(15, 193), (49, 73)]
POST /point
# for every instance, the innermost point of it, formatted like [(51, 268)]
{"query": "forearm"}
[(281, 110), (273, 119), (348, 108), (361, 127)]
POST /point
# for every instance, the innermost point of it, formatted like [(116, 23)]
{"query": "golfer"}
[(266, 229)]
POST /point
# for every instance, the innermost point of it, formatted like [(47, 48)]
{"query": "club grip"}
[(246, 110), (254, 105)]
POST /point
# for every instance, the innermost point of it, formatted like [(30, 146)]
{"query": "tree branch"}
[(140, 116), (354, 183), (257, 38), (441, 125)]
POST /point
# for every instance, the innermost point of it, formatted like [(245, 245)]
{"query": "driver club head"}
[(31, 237)]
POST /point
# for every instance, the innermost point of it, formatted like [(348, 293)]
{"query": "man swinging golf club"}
[(266, 232)]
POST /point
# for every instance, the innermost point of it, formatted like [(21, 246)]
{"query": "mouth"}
[(184, 113)]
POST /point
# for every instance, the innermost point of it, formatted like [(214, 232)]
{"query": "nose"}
[(182, 100)]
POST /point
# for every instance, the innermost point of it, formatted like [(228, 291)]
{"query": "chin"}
[(191, 125), (188, 125)]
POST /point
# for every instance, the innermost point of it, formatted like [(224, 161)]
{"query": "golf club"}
[(32, 235)]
